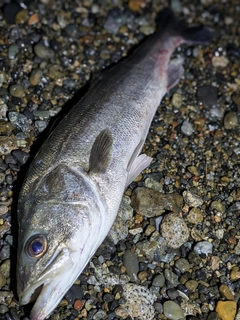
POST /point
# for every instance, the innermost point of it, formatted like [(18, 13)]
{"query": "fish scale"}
[(72, 192)]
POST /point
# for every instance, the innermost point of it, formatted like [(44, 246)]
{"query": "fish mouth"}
[(48, 290)]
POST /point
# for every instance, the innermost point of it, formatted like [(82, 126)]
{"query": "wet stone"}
[(21, 16), (225, 292), (230, 120), (35, 77), (73, 31), (191, 285), (151, 203), (13, 50), (226, 310), (3, 280), (203, 247), (158, 280), (20, 156), (182, 264), (130, 261), (187, 128), (43, 52), (171, 276), (5, 253), (195, 216), (218, 206), (172, 310), (19, 121), (5, 268), (207, 95), (16, 90), (174, 230), (192, 199), (41, 125), (2, 177), (177, 100), (5, 127)]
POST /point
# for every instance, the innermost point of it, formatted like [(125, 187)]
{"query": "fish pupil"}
[(37, 247)]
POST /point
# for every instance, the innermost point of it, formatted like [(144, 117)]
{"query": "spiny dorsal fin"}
[(101, 152)]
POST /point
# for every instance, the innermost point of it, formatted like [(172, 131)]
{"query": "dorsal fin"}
[(101, 152)]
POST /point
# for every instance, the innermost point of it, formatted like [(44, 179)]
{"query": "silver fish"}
[(73, 189)]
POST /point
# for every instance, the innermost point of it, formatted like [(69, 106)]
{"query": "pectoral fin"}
[(137, 166), (101, 152), (174, 72)]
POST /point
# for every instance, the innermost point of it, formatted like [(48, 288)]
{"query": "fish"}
[(72, 191)]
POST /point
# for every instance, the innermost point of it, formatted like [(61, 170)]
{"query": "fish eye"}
[(36, 246)]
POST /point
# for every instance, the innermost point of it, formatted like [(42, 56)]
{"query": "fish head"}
[(60, 228)]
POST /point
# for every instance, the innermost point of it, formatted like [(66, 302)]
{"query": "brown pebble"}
[(226, 310), (215, 261), (142, 275), (77, 305), (135, 5), (225, 292), (33, 19)]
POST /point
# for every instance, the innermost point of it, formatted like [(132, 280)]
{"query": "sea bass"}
[(73, 189)]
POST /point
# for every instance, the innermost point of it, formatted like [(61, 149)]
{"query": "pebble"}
[(203, 247), (20, 156), (182, 264), (16, 90), (3, 280), (43, 52), (142, 275), (220, 61), (19, 121), (130, 261), (174, 230), (21, 16), (138, 302), (5, 127), (13, 50), (150, 203), (41, 125), (192, 199), (5, 253), (5, 268), (230, 120), (172, 310), (78, 305), (158, 280), (225, 292), (187, 128), (35, 77), (218, 206), (195, 216), (226, 310), (207, 95), (191, 285)]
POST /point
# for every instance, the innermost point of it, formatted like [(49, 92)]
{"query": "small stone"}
[(5, 268), (33, 19), (19, 121), (43, 52), (220, 61), (225, 292), (182, 264), (203, 247), (3, 280), (142, 275), (138, 301), (41, 125), (215, 262), (7, 144), (16, 90), (174, 230), (171, 276), (192, 199), (20, 156), (13, 50), (150, 203), (78, 305), (21, 16), (172, 310), (35, 77), (218, 206), (5, 252), (187, 128), (195, 216), (135, 5), (130, 261), (230, 120), (158, 281), (207, 95), (226, 310), (149, 230), (5, 127), (177, 100), (191, 285)]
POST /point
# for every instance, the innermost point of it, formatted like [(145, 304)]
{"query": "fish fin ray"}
[(101, 152), (174, 74), (137, 166)]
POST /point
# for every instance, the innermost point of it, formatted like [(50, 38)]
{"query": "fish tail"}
[(166, 20)]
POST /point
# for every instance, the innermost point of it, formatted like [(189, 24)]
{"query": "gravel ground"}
[(174, 249)]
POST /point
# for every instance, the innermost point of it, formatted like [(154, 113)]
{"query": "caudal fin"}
[(166, 20)]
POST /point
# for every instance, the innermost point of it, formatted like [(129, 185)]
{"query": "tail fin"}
[(167, 20)]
